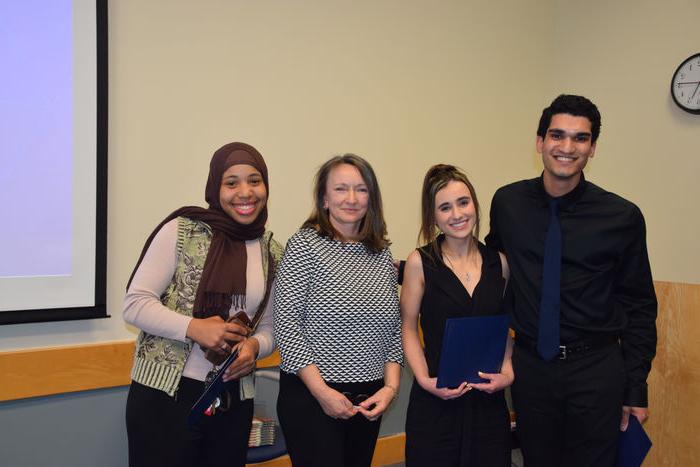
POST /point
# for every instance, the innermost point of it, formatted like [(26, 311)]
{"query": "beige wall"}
[(622, 54), (403, 83)]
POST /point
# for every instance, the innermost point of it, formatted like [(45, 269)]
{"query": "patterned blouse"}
[(336, 306)]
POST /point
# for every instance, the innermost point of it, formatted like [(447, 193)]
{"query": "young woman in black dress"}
[(453, 275)]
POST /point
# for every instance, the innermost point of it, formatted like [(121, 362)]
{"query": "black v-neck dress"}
[(473, 430)]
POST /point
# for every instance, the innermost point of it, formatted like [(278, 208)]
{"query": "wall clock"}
[(685, 85)]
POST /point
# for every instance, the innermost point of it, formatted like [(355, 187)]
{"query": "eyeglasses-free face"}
[(243, 194), (346, 198)]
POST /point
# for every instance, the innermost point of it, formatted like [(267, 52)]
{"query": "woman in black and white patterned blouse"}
[(337, 322)]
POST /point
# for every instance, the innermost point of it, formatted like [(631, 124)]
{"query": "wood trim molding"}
[(271, 360), (389, 450), (56, 370)]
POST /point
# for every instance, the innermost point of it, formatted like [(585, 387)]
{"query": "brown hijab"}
[(224, 275)]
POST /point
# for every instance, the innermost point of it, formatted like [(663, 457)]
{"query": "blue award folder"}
[(211, 392), (633, 446), (470, 345)]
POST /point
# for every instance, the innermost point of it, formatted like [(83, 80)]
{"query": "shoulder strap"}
[(271, 267)]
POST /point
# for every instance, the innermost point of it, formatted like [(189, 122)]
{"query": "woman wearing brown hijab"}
[(199, 268)]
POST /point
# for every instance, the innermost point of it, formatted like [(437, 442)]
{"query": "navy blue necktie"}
[(548, 336)]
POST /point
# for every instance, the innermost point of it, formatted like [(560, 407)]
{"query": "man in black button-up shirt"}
[(569, 410)]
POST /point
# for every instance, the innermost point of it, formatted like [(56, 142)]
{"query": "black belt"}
[(573, 348)]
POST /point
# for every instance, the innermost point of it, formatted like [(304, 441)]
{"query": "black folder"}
[(634, 445), (211, 392), (470, 345)]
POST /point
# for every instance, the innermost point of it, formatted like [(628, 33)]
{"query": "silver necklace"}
[(447, 257)]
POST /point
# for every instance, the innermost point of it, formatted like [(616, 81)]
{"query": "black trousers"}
[(316, 440), (568, 412), (159, 436)]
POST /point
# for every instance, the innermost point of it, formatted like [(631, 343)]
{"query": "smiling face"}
[(243, 194), (565, 149), (455, 213), (346, 199)]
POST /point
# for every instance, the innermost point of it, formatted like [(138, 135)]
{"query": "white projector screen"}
[(53, 183)]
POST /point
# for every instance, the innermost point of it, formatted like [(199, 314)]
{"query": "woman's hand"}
[(375, 405), (335, 404), (430, 385), (215, 333), (245, 362), (497, 381)]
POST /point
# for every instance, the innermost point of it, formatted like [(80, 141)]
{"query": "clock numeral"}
[(685, 87)]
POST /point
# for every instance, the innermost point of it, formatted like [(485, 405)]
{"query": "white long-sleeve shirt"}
[(143, 308)]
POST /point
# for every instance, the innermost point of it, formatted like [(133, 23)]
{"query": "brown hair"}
[(372, 229), (437, 178)]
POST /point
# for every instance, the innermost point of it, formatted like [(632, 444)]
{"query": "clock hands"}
[(685, 85)]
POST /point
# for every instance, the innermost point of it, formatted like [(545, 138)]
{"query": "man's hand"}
[(642, 413)]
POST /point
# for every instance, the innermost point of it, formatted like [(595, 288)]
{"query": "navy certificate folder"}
[(633, 446), (470, 345), (211, 392)]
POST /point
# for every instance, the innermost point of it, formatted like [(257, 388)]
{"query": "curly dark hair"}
[(578, 106)]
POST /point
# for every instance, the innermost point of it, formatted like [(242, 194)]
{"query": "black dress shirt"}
[(606, 284)]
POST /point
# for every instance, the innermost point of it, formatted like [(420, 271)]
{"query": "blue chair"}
[(266, 453), (279, 449)]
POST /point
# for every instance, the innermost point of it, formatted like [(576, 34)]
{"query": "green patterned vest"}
[(159, 361)]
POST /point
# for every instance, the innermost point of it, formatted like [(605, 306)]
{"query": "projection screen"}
[(53, 149)]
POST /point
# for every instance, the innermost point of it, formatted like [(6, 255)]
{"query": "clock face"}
[(685, 85)]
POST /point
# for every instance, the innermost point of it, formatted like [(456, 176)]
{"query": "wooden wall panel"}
[(56, 370), (674, 382)]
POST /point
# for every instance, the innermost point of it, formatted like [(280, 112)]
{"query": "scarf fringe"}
[(217, 303), (238, 302)]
